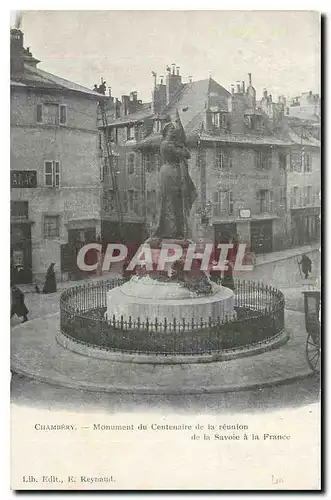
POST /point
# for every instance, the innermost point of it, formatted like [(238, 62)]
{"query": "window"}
[(133, 201), (130, 133), (39, 113), (282, 161), (306, 161), (282, 196), (51, 226), (223, 158), (157, 126), (263, 160), (216, 119), (52, 173), (19, 210), (254, 122), (109, 203), (63, 114), (112, 134), (130, 163), (223, 203), (52, 113), (308, 199), (265, 200), (125, 202), (295, 163), (149, 162), (295, 197)]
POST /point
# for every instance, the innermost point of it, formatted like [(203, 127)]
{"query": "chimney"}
[(190, 79), (270, 98), (109, 91), (243, 86), (177, 70), (16, 52), (238, 86), (125, 103), (173, 83), (159, 97), (265, 93), (232, 89), (134, 96), (250, 79)]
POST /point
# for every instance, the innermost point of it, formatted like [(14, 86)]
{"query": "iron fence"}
[(259, 308)]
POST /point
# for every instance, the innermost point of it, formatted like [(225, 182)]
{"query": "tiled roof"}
[(37, 78), (155, 139), (245, 139), (145, 112), (194, 97)]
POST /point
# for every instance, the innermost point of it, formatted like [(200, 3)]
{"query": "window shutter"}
[(63, 114), (39, 113), (48, 173), (56, 174)]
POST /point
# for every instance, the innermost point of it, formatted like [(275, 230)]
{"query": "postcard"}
[(165, 257)]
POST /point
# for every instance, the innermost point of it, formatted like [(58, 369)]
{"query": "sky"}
[(280, 48)]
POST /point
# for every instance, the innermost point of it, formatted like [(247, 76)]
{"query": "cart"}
[(312, 300)]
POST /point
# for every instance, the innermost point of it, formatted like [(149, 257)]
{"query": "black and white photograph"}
[(165, 249)]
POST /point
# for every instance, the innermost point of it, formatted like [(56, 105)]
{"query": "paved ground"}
[(36, 353), (27, 392)]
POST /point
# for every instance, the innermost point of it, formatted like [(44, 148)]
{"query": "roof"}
[(195, 96), (308, 140), (145, 112), (245, 139), (38, 78)]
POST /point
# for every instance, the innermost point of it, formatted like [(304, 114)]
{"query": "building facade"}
[(242, 156), (55, 168)]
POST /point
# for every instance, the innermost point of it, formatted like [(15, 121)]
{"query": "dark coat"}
[(18, 306), (306, 264), (50, 282)]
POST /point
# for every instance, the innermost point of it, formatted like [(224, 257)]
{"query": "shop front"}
[(305, 225)]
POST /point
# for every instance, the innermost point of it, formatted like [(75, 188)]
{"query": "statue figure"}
[(177, 191)]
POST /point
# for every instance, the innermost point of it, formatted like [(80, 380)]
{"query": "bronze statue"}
[(177, 191)]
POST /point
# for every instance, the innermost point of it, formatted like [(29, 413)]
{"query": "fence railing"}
[(259, 308)]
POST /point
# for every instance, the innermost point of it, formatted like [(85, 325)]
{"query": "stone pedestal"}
[(146, 297)]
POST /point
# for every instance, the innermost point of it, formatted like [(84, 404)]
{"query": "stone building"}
[(55, 168), (304, 184), (238, 161)]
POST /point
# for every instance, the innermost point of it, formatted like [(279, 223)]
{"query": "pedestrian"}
[(305, 265), (227, 279), (18, 306), (50, 282)]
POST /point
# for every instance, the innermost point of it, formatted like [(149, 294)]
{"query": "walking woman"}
[(50, 282)]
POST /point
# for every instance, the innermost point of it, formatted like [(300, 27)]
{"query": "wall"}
[(75, 146)]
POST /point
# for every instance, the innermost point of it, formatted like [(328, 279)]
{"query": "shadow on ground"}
[(26, 392)]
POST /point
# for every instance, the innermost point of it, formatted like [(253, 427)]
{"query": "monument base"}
[(145, 297)]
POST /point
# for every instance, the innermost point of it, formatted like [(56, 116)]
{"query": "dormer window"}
[(220, 120), (130, 133), (254, 121), (216, 119), (157, 128)]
